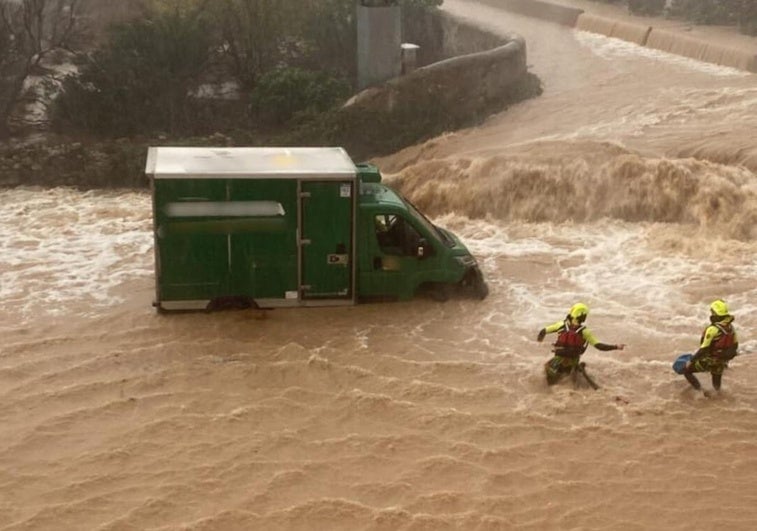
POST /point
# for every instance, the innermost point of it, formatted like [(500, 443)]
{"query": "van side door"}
[(394, 261), (327, 214)]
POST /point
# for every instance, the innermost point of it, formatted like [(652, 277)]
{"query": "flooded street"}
[(629, 185)]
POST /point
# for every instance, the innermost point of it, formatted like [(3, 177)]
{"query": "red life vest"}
[(723, 345), (570, 341)]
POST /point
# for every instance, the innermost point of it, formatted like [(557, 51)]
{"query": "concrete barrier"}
[(481, 76), (743, 57), (475, 69), (462, 85), (618, 29), (701, 50)]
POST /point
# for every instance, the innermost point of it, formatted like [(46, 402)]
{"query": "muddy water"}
[(629, 185)]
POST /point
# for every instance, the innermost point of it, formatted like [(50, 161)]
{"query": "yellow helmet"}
[(719, 308), (579, 311)]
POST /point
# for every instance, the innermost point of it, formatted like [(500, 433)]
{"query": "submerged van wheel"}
[(440, 291), (234, 302), (481, 289), (475, 285)]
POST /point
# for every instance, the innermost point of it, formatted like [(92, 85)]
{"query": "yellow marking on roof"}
[(286, 160)]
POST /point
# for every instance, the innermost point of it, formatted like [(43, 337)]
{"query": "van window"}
[(201, 209), (430, 227), (396, 235)]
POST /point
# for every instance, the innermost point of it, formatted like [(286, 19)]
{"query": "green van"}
[(275, 227)]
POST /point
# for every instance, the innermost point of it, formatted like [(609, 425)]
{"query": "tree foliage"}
[(286, 93), (742, 13), (260, 35), (646, 7), (142, 80), (31, 30), (330, 33)]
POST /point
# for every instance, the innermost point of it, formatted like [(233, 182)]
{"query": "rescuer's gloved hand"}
[(541, 335)]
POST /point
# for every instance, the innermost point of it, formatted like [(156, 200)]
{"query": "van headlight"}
[(466, 261)]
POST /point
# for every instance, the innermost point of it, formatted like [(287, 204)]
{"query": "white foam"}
[(62, 245), (612, 48), (613, 267)]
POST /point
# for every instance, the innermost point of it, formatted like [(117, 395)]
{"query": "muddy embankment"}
[(464, 74)]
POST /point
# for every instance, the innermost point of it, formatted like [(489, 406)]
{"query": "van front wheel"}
[(440, 292), (475, 284), (481, 290)]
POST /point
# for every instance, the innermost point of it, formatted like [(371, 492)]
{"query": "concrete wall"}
[(462, 83), (457, 90), (379, 35)]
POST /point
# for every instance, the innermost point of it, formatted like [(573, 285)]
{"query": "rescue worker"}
[(717, 346), (572, 339)]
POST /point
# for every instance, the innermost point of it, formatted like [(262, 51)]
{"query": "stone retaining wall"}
[(475, 67), (459, 85), (441, 96)]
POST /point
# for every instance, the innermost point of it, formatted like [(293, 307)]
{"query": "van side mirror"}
[(422, 246)]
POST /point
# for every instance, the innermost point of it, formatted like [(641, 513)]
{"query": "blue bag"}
[(680, 363)]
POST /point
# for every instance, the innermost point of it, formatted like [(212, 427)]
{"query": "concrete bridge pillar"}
[(379, 39)]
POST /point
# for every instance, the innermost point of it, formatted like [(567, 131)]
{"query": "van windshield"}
[(430, 227)]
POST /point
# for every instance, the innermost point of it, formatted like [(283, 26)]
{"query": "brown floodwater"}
[(628, 185)]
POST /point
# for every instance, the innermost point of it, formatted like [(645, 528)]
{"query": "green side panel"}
[(384, 272), (327, 215), (264, 262), (394, 271), (226, 237), (192, 266)]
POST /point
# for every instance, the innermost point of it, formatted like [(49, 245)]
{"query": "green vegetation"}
[(287, 93), (212, 72), (646, 7), (30, 32), (289, 59), (736, 12), (140, 82)]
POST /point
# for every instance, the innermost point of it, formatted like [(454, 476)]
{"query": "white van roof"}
[(249, 163)]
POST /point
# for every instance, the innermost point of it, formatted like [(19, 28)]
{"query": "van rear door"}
[(327, 228)]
